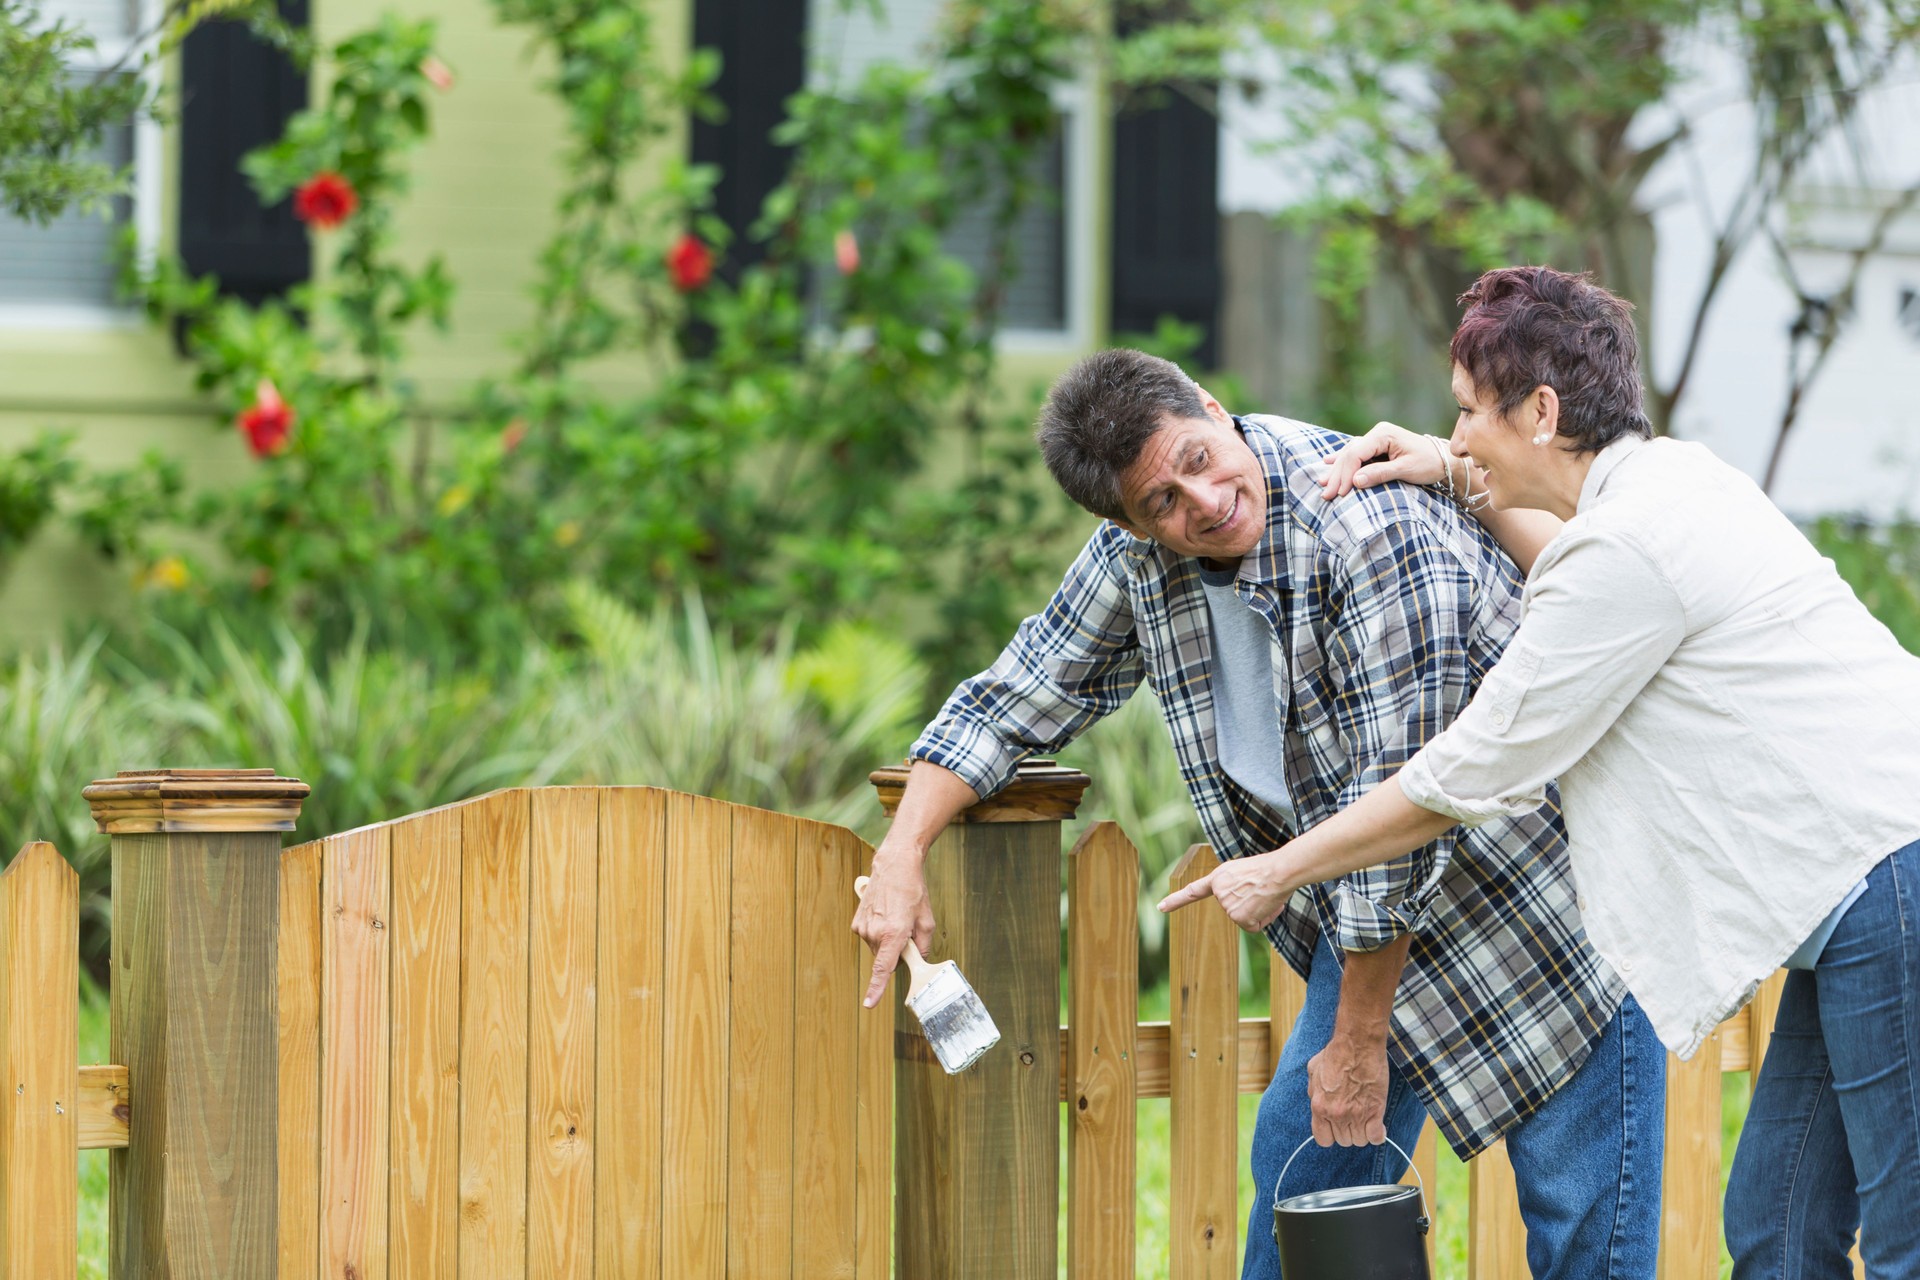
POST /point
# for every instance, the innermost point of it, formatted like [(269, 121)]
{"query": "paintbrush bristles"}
[(956, 1022)]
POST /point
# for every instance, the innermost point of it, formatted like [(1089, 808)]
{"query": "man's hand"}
[(1252, 891), (1347, 1085), (1387, 453), (894, 909)]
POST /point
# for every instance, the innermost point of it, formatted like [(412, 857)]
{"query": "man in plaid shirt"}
[(1302, 652)]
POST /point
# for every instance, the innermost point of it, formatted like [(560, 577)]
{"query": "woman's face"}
[(1515, 466)]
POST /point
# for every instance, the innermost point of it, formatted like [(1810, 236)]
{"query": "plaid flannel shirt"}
[(1387, 609)]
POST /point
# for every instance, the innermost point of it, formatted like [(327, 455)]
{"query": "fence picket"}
[(827, 990), (560, 1052), (1203, 1083), (628, 1084), (1103, 1001), (39, 1056), (873, 1121), (697, 1050), (1496, 1238), (1690, 1184), (425, 1183), (493, 1037), (355, 1062), (761, 1048), (300, 985)]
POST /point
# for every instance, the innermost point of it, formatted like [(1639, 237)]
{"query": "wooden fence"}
[(601, 1032), (580, 1032), (1206, 1055)]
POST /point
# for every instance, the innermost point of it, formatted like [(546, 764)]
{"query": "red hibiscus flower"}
[(325, 200), (438, 73), (689, 263), (846, 252), (267, 422)]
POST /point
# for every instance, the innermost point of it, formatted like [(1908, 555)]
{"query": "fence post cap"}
[(1041, 791), (147, 801)]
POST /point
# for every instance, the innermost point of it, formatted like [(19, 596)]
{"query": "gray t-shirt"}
[(1245, 722)]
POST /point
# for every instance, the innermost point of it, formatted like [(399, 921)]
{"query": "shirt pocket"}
[(1505, 687)]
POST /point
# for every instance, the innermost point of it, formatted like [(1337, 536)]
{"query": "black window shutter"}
[(1166, 219), (237, 93), (763, 62)]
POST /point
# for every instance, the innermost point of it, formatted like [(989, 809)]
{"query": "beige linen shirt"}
[(1737, 739)]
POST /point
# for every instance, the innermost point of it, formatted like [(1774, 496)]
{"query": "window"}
[(66, 268), (1047, 302)]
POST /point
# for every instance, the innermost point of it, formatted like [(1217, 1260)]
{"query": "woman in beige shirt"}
[(1737, 747)]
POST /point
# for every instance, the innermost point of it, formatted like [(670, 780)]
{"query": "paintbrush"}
[(956, 1023)]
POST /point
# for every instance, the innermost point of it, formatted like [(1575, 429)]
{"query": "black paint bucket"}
[(1352, 1233)]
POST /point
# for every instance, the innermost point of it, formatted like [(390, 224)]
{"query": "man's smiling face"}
[(1197, 489)]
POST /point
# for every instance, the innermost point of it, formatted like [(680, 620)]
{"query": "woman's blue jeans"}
[(1587, 1161), (1832, 1140)]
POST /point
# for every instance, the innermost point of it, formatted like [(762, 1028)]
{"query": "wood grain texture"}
[(1103, 1000), (300, 982), (696, 1048), (1286, 997), (39, 1029), (1496, 1238), (106, 1108), (493, 1037), (828, 967), (222, 1162), (1690, 1181), (628, 1080), (1041, 792), (355, 1054), (423, 1184), (760, 1083), (560, 1018), (1204, 949), (998, 1161), (873, 1168), (136, 1176)]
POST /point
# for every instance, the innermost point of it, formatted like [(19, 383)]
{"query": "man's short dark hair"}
[(1100, 415), (1529, 326)]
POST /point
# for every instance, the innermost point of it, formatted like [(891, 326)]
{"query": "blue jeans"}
[(1832, 1140), (1587, 1160)]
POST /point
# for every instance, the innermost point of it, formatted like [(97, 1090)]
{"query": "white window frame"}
[(147, 195), (1079, 205)]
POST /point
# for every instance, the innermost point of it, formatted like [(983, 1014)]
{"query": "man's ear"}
[(1140, 534), (1213, 407)]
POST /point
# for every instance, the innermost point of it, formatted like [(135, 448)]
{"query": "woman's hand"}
[(1386, 453), (1252, 891)]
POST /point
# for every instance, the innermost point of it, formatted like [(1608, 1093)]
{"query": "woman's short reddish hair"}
[(1530, 326)]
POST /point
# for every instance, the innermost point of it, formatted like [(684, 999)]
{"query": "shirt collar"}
[(1267, 562), (1603, 466)]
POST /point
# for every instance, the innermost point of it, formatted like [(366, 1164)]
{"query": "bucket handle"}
[(1421, 1182)]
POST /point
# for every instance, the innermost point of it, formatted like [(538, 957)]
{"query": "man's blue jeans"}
[(1587, 1161), (1832, 1140)]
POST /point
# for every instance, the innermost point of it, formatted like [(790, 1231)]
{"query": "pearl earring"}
[(1542, 438)]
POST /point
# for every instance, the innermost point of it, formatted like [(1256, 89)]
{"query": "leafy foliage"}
[(777, 460)]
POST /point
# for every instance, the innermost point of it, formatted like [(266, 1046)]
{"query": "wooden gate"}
[(592, 1032)]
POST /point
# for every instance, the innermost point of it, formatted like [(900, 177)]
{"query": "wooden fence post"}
[(196, 908), (977, 1158)]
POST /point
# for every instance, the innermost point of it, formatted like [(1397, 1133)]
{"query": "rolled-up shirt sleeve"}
[(1066, 667), (1601, 619), (1399, 656)]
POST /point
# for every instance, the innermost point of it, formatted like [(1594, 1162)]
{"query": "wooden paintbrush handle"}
[(921, 968)]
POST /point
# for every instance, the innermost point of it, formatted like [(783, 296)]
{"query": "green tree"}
[(1443, 138)]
